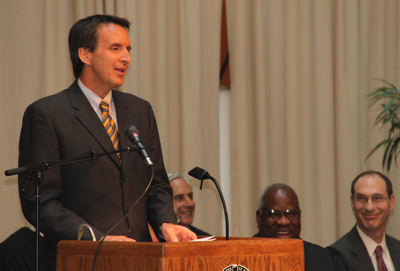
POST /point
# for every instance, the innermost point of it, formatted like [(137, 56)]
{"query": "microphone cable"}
[(101, 240)]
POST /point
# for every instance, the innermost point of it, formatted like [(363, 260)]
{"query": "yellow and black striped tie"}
[(109, 124)]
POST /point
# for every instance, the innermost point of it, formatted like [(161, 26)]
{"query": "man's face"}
[(371, 204), (183, 201), (280, 217), (107, 64)]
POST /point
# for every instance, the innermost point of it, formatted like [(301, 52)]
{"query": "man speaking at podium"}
[(91, 115)]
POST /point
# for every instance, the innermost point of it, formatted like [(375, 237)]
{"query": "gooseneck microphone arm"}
[(101, 240), (201, 175), (133, 134)]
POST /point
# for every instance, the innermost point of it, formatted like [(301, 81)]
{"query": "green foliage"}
[(388, 98)]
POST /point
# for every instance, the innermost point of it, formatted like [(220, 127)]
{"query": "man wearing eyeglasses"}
[(367, 247), (278, 216)]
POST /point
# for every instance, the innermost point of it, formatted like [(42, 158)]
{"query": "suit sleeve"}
[(160, 193), (39, 143)]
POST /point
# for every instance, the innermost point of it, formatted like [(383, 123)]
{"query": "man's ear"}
[(85, 55), (258, 217), (391, 202), (352, 201)]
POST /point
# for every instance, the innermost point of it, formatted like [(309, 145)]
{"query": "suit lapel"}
[(359, 252), (394, 253), (123, 122), (89, 119)]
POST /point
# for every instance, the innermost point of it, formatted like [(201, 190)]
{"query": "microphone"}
[(133, 134), (201, 175)]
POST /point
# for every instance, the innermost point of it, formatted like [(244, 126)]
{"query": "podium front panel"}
[(243, 254)]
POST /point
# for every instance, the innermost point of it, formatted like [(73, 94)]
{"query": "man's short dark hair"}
[(274, 187), (389, 187), (84, 34)]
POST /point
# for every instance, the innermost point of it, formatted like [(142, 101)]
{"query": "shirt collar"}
[(370, 244), (93, 98)]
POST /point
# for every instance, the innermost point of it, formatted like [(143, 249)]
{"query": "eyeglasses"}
[(273, 214), (376, 199)]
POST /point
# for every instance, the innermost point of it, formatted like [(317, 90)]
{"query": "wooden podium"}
[(255, 254)]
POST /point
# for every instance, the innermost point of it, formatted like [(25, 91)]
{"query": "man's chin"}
[(117, 83), (284, 236), (186, 222), (370, 226)]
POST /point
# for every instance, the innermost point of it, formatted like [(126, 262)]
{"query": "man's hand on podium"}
[(176, 233), (119, 238)]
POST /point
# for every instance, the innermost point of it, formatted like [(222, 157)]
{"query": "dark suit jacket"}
[(100, 191), (353, 250), (17, 252), (198, 231), (316, 258)]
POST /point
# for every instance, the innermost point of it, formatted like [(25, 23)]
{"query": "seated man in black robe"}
[(278, 216)]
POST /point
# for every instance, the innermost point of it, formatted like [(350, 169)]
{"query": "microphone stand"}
[(36, 176), (201, 175)]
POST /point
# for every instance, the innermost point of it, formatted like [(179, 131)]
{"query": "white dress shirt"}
[(95, 100), (371, 245)]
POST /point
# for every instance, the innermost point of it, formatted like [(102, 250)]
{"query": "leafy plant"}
[(389, 116)]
